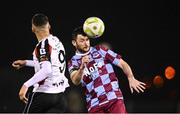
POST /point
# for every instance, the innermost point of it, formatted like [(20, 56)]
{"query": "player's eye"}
[(81, 41), (87, 39)]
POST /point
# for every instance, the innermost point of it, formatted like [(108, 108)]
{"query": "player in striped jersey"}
[(92, 67), (49, 62)]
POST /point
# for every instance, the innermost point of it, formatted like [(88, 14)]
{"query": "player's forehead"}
[(82, 37)]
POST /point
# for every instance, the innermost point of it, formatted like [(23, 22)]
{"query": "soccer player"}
[(49, 62), (92, 67)]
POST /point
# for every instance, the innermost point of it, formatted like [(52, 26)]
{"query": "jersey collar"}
[(82, 54)]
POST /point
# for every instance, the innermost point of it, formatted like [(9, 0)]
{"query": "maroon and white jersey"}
[(99, 79), (52, 50)]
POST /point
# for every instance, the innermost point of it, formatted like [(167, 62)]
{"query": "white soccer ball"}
[(94, 27)]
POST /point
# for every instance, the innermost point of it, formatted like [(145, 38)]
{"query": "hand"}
[(22, 94), (136, 85), (18, 64), (84, 61)]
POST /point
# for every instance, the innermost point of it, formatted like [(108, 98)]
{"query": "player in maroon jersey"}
[(92, 67)]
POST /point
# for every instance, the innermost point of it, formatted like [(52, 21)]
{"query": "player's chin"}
[(85, 49)]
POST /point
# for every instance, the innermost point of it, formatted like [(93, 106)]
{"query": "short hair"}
[(40, 19), (77, 31)]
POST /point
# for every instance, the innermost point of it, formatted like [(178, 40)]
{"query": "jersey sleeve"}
[(43, 51), (44, 72), (110, 55), (29, 63), (72, 65)]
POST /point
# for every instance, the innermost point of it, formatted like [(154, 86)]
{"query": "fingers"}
[(23, 98), (136, 89), (86, 59), (131, 88), (140, 87), (142, 83), (14, 64), (17, 64), (22, 94)]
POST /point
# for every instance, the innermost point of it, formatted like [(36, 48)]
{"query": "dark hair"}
[(40, 19), (77, 31)]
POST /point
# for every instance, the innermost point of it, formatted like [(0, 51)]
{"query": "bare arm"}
[(126, 68), (39, 76), (133, 83), (76, 75)]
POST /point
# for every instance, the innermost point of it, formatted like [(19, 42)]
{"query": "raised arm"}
[(21, 63), (76, 75)]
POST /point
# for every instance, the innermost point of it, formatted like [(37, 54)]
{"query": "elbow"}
[(75, 82)]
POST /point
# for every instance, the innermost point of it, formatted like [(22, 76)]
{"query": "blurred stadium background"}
[(145, 33)]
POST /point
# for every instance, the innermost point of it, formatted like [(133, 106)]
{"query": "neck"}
[(42, 34), (81, 52)]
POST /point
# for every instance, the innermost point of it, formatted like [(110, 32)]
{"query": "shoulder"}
[(100, 48), (72, 61), (75, 59), (55, 41)]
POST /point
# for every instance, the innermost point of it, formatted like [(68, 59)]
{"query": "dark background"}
[(145, 33)]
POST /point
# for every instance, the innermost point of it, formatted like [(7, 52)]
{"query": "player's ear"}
[(49, 26), (33, 29), (73, 43)]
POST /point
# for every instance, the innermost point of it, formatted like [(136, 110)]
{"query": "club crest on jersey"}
[(96, 55)]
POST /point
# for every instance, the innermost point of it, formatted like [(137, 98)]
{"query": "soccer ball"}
[(93, 27)]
